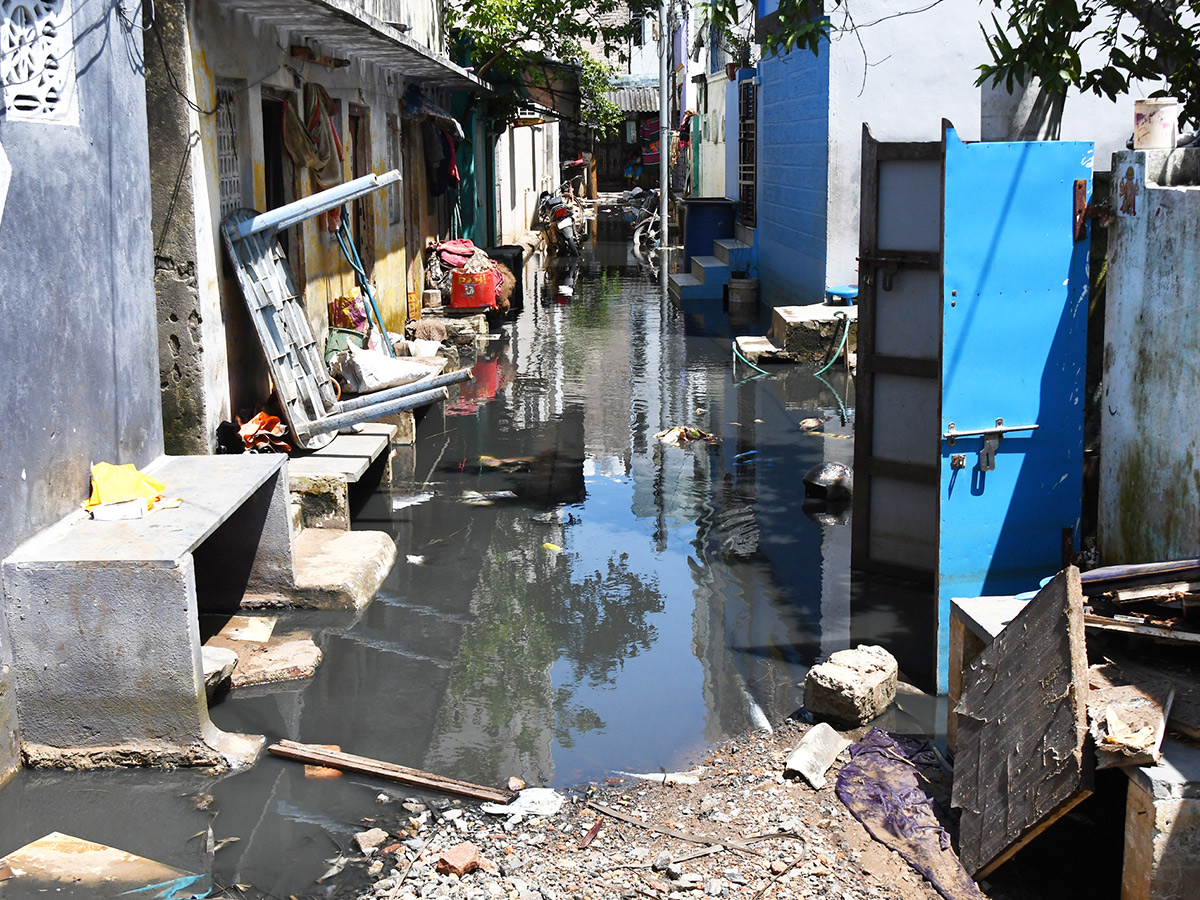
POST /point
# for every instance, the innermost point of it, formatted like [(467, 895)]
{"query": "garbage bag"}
[(363, 371)]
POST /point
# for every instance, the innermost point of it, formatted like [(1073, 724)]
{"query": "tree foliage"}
[(798, 24), (1049, 40), (513, 38)]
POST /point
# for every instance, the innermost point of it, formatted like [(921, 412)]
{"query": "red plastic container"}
[(473, 289)]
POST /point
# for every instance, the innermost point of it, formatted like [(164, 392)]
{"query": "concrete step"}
[(710, 270), (732, 252), (685, 286)]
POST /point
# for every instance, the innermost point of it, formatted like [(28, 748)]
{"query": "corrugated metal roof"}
[(635, 98), (345, 29)]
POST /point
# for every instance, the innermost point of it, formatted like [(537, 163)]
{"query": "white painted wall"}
[(907, 74), (903, 74), (1150, 412), (424, 20), (526, 164)]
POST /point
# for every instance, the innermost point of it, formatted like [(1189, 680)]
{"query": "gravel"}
[(798, 842)]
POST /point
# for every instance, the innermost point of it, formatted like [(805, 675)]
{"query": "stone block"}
[(1162, 827), (219, 663), (324, 500), (819, 747), (854, 686), (807, 333)]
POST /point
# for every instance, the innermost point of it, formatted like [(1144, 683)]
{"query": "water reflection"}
[(571, 595)]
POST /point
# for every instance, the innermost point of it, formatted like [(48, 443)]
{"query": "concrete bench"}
[(103, 616)]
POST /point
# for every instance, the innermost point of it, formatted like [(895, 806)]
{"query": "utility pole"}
[(664, 142)]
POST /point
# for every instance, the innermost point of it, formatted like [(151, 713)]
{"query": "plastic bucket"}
[(1155, 123), (472, 289)]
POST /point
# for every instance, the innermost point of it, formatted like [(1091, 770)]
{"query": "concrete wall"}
[(424, 20), (1150, 440), (901, 75), (793, 127), (78, 357), (908, 73), (212, 363), (526, 164)]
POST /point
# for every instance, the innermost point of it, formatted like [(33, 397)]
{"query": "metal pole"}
[(664, 142)]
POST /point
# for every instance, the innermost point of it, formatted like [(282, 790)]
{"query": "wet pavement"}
[(571, 598)]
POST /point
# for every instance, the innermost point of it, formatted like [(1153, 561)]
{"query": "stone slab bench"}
[(321, 480), (103, 616)]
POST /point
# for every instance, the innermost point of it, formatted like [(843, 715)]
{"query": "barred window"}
[(37, 61), (229, 168)]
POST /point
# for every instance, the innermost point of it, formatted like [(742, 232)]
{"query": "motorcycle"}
[(558, 221), (645, 221)]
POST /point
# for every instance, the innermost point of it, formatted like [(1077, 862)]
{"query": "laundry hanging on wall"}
[(651, 142), (314, 143)]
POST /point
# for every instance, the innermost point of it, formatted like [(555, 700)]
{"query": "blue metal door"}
[(1014, 323)]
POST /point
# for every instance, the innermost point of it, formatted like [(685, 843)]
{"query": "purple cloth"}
[(880, 788)]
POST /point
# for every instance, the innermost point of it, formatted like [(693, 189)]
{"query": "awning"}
[(345, 29), (632, 96)]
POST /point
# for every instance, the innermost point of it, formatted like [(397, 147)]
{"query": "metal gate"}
[(972, 334)]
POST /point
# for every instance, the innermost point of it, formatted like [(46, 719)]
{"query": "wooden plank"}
[(362, 765), (1184, 714), (1162, 632), (1022, 724), (902, 471), (1128, 716)]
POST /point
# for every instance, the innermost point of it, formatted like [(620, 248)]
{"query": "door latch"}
[(891, 263), (991, 440)]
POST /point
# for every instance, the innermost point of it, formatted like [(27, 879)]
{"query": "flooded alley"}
[(572, 597)]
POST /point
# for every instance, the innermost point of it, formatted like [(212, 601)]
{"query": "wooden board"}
[(1128, 716), (1022, 723), (1184, 714), (315, 754)]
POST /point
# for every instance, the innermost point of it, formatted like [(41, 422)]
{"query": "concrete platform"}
[(806, 334), (334, 570), (320, 481)]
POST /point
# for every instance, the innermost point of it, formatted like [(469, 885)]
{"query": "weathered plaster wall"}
[(793, 203), (223, 366), (1150, 441), (78, 358)]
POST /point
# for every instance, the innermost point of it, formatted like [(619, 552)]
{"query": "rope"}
[(352, 257)]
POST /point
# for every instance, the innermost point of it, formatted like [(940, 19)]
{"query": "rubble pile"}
[(734, 826)]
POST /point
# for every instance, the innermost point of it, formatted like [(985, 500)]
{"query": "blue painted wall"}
[(793, 166), (79, 353)]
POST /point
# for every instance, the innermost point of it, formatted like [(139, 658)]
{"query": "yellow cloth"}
[(112, 484)]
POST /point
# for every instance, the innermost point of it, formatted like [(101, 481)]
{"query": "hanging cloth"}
[(319, 112)]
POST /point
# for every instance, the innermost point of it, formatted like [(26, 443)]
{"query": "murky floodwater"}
[(571, 596)]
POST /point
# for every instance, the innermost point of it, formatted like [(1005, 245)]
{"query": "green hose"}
[(841, 346), (738, 354)]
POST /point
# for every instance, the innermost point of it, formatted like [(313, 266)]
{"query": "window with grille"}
[(229, 167), (393, 162), (747, 153), (37, 61)]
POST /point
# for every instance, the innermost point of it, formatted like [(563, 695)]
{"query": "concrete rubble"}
[(853, 686), (815, 754), (799, 843)]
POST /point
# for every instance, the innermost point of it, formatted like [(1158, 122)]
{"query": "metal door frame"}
[(869, 362)]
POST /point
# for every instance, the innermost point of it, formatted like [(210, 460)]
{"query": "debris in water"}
[(516, 784), (514, 464), (58, 861), (415, 559), (830, 480), (475, 498), (335, 867), (811, 423), (553, 548), (411, 500), (323, 771), (681, 435)]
